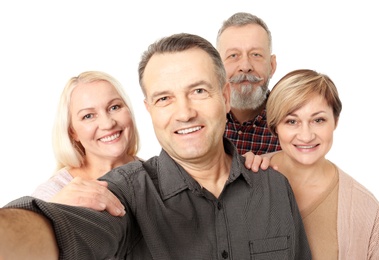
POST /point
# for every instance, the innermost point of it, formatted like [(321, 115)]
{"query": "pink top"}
[(357, 221), (53, 185)]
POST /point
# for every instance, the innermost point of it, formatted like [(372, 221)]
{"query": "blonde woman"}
[(94, 132)]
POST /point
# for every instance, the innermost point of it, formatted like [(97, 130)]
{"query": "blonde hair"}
[(68, 152), (294, 89)]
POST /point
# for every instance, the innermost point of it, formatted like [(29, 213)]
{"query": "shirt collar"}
[(178, 179)]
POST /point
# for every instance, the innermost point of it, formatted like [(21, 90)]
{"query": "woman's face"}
[(306, 135), (100, 120)]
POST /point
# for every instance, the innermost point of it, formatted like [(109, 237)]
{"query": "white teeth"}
[(110, 138), (305, 146), (189, 130)]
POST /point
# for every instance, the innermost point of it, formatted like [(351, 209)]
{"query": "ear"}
[(226, 95), (273, 65)]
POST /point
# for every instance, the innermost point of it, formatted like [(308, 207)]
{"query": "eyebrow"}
[(110, 101), (314, 114), (193, 85)]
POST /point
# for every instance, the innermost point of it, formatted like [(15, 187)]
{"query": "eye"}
[(319, 120), (291, 121), (232, 56), (115, 107), (200, 93), (162, 101), (87, 116), (256, 54)]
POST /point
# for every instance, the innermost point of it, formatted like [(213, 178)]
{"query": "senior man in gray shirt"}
[(196, 200)]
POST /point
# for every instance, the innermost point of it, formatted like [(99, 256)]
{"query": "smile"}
[(110, 138), (189, 130), (305, 146)]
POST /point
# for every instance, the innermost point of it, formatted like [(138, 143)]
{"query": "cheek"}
[(327, 135), (229, 68), (284, 135), (161, 116), (83, 132), (123, 118)]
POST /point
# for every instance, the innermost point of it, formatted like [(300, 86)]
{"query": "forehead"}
[(92, 92), (246, 35), (316, 103), (169, 71)]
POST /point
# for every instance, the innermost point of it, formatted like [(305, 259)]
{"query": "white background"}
[(44, 43)]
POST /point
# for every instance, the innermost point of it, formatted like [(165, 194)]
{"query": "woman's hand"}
[(253, 161), (90, 194)]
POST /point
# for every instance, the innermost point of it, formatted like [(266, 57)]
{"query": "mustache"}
[(245, 77)]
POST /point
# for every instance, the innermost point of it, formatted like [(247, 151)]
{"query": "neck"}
[(308, 182), (244, 115), (300, 174), (211, 175)]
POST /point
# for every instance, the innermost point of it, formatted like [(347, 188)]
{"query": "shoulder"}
[(348, 185), (356, 201), (131, 170), (270, 180), (53, 185)]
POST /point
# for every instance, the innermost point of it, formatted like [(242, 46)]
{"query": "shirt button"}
[(219, 206), (240, 132), (224, 254)]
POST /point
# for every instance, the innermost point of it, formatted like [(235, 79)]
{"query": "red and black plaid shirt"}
[(252, 135)]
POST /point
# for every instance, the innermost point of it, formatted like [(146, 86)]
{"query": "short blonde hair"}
[(294, 89), (68, 152)]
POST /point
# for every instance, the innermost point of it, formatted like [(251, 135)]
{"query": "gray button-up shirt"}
[(170, 216)]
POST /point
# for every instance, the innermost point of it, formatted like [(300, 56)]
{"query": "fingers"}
[(107, 201), (254, 162), (265, 163), (267, 157), (90, 194)]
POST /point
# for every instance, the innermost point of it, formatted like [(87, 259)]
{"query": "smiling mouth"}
[(110, 137), (189, 130), (306, 146)]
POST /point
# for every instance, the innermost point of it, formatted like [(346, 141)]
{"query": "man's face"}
[(249, 65), (187, 106)]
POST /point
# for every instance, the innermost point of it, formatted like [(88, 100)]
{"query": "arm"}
[(25, 234), (90, 194), (78, 231)]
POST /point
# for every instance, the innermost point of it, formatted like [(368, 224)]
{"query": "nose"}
[(245, 65), (305, 134), (106, 121), (184, 110)]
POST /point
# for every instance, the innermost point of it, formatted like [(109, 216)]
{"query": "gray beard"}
[(247, 98)]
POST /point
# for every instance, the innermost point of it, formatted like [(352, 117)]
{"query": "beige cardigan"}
[(358, 221)]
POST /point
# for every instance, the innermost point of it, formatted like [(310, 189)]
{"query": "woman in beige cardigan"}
[(341, 217)]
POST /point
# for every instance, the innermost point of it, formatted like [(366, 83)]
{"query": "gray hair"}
[(241, 19)]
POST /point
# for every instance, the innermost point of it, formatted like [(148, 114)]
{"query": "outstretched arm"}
[(25, 234)]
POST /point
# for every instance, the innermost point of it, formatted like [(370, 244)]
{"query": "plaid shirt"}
[(252, 135)]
